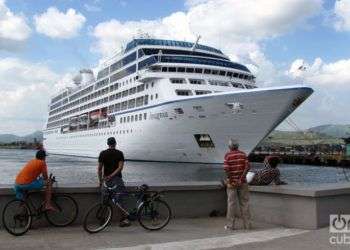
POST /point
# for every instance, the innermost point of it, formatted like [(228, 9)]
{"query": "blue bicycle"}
[(150, 210)]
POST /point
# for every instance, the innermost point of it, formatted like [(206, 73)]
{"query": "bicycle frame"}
[(35, 212), (141, 195)]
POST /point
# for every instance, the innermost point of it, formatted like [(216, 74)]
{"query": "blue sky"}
[(75, 53), (49, 41)]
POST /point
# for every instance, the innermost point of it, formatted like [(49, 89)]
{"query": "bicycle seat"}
[(109, 187)]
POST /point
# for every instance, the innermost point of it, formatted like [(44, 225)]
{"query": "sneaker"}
[(125, 223), (229, 227)]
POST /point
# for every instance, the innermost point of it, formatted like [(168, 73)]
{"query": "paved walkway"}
[(183, 234)]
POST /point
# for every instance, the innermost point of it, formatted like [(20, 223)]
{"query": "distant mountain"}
[(338, 131), (8, 138)]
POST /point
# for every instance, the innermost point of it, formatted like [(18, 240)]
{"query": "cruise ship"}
[(166, 100)]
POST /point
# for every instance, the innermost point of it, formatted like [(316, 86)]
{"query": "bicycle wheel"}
[(66, 211), (16, 217), (98, 217), (154, 215)]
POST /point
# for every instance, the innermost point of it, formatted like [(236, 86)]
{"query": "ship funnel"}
[(77, 79), (87, 76)]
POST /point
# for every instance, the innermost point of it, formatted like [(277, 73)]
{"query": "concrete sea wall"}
[(289, 205)]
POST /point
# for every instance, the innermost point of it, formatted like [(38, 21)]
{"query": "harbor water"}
[(83, 170)]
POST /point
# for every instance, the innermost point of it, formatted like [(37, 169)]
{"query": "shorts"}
[(36, 184), (116, 188)]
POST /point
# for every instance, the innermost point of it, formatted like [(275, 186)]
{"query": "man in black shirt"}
[(110, 166)]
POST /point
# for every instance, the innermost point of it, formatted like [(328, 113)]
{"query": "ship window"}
[(207, 71), (222, 73), (151, 97), (246, 77), (237, 85), (235, 74), (144, 116), (172, 69), (164, 69), (131, 103), (132, 91), (202, 92), (204, 141), (179, 111), (214, 72), (124, 119), (189, 70), (128, 119), (177, 81), (132, 118), (139, 101), (183, 92), (140, 117), (229, 74), (146, 99), (136, 118), (121, 120), (141, 88), (249, 86), (156, 96), (196, 81), (125, 93), (240, 76), (219, 83), (124, 105), (198, 108), (181, 69), (198, 70)]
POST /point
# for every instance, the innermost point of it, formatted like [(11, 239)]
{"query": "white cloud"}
[(113, 34), (342, 15), (331, 84), (233, 25), (25, 91), (335, 74), (13, 28), (56, 24)]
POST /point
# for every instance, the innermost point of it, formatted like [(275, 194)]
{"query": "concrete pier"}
[(289, 206)]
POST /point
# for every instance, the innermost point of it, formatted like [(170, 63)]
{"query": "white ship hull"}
[(167, 136)]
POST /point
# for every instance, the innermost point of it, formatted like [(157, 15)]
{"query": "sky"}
[(43, 44)]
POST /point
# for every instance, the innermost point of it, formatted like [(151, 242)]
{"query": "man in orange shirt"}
[(34, 176)]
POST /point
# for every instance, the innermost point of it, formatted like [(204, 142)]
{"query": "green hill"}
[(338, 131), (300, 138)]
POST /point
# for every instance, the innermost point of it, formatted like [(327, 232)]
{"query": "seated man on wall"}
[(270, 173), (34, 176)]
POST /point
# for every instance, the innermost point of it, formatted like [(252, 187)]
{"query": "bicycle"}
[(150, 210), (18, 215)]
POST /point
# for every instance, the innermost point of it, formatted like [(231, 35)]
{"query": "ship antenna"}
[(195, 44)]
